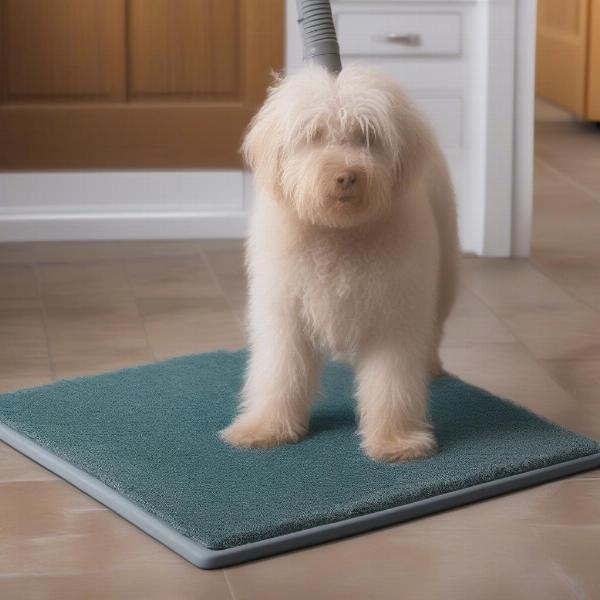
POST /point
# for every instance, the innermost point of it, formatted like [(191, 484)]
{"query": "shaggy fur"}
[(352, 252)]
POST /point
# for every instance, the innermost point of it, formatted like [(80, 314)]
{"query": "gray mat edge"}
[(206, 558)]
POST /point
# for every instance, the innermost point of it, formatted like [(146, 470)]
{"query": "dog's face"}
[(336, 150)]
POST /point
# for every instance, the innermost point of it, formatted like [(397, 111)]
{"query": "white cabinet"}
[(456, 59), (398, 33)]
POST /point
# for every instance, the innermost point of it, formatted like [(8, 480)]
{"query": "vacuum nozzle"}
[(318, 34)]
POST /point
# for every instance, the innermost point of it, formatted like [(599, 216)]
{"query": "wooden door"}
[(561, 65), (132, 83), (593, 70)]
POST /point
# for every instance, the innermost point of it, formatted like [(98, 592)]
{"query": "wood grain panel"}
[(144, 136), (188, 110), (565, 17), (593, 87), (183, 48), (63, 50), (561, 64)]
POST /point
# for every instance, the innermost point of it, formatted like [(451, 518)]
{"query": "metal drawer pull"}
[(407, 39)]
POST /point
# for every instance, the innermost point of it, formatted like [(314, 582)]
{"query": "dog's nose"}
[(346, 180)]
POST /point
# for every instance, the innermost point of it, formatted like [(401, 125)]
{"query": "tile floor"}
[(529, 330)]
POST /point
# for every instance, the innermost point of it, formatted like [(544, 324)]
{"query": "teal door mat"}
[(144, 442)]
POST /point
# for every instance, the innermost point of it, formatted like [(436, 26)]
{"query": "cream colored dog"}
[(352, 252)]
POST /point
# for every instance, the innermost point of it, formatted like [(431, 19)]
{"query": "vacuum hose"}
[(318, 34)]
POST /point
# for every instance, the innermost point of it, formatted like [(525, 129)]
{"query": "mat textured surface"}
[(144, 441)]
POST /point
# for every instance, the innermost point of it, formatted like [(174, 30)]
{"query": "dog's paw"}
[(417, 444), (246, 432)]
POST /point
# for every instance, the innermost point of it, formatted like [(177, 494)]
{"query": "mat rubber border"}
[(206, 558)]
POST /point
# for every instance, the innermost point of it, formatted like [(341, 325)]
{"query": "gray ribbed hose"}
[(318, 34)]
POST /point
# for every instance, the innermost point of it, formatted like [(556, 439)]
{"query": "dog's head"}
[(338, 150)]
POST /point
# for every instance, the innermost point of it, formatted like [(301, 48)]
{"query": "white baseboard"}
[(122, 226), (124, 205)]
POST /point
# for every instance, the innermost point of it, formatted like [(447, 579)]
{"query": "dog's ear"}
[(415, 143), (262, 145)]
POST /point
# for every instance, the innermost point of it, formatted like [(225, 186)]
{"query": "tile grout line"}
[(531, 259), (568, 179), (222, 289), (137, 308), (229, 586), (540, 269), (525, 347), (51, 361)]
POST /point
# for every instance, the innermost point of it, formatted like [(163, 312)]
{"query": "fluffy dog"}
[(352, 252)]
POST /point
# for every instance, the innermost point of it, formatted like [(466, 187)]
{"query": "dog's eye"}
[(364, 138), (316, 135)]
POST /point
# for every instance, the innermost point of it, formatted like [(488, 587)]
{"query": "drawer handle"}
[(406, 39)]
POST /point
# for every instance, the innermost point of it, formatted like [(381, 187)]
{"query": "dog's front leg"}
[(392, 397), (280, 384)]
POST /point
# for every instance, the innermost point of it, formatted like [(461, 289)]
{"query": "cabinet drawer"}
[(399, 33)]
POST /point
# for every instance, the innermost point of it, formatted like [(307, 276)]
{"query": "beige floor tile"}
[(22, 376), (546, 180), (24, 357), (221, 245), (510, 287), (509, 371), (226, 261), (16, 252), (566, 530), (472, 323), (548, 112), (76, 252), (566, 230), (98, 251), (171, 276), (157, 581), (581, 378), (85, 278), (189, 324), (69, 546), (558, 334), (579, 275), (573, 148), (15, 467), (508, 547), (159, 248), (565, 235), (593, 474), (90, 333), (18, 281)]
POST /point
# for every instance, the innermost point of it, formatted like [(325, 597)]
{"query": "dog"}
[(352, 253)]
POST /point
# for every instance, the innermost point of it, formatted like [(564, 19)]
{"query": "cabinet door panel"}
[(133, 83), (562, 52), (183, 48), (63, 50)]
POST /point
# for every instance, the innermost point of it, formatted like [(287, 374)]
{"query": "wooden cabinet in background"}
[(132, 83), (568, 55)]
